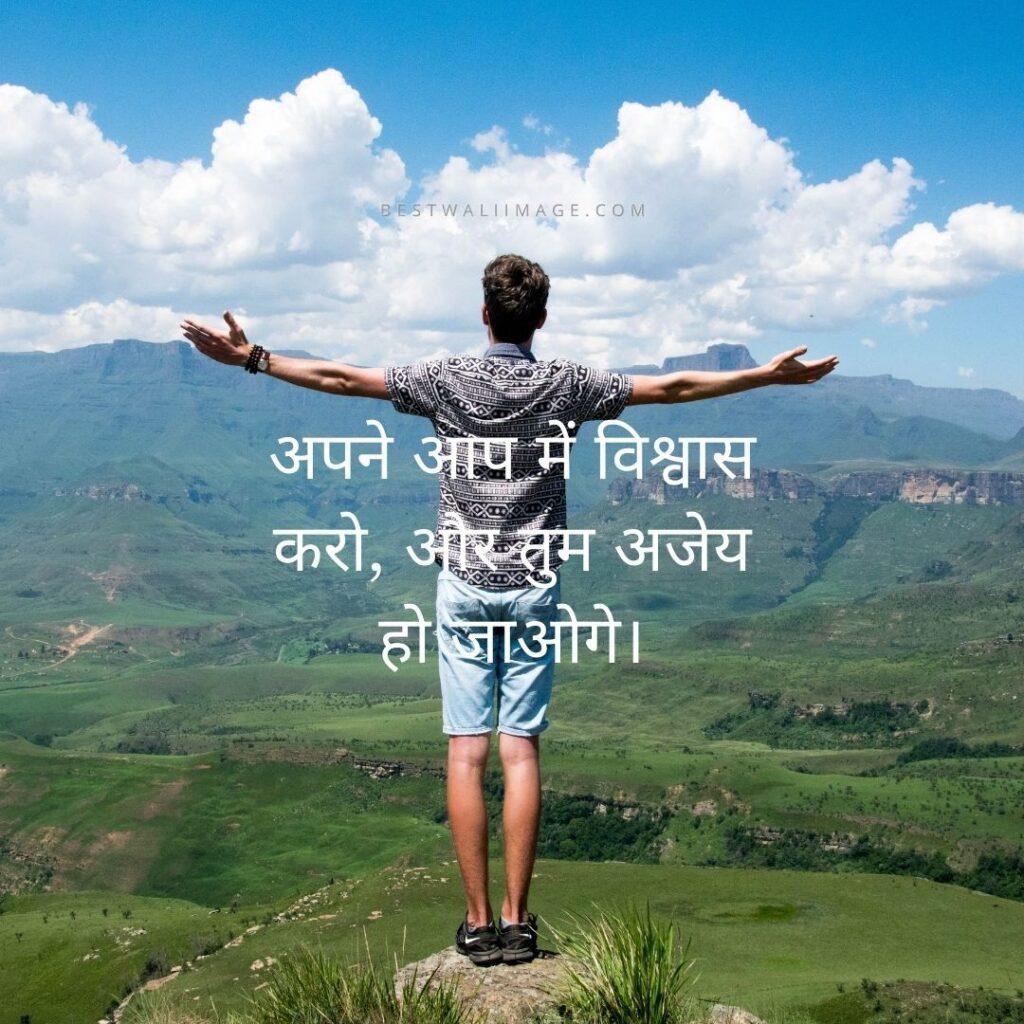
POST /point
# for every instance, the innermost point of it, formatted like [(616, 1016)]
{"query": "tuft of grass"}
[(158, 1008), (625, 967), (312, 988)]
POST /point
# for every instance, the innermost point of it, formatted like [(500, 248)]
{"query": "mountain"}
[(986, 410), (63, 413), (136, 481), (716, 358), (911, 486), (983, 410), (66, 411)]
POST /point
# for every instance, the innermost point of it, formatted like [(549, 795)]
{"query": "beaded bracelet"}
[(252, 363)]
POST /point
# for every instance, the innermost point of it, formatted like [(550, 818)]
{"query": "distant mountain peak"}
[(720, 356), (716, 357)]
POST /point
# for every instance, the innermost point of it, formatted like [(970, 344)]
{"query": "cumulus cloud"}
[(692, 224), (289, 184), (84, 324)]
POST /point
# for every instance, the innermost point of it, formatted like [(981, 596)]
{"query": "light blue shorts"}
[(478, 693)]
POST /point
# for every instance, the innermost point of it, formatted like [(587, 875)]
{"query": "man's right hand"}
[(232, 348)]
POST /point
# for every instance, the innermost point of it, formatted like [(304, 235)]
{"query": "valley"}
[(204, 761)]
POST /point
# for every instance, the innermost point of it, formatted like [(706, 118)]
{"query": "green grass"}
[(65, 969), (896, 544), (760, 939), (209, 830), (625, 967), (215, 658), (310, 988)]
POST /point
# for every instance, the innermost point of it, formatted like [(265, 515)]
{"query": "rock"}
[(722, 1014), (497, 995), (504, 994)]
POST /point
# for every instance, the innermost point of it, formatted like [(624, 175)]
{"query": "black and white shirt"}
[(506, 394)]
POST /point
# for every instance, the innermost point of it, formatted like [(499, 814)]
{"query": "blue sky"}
[(937, 84)]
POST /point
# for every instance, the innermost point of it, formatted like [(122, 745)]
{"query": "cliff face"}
[(767, 484), (935, 487), (914, 486)]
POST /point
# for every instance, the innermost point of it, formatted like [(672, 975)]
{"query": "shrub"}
[(625, 968), (156, 1008), (310, 988)]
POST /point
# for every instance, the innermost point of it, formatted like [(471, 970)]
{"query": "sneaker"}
[(481, 945), (519, 941)]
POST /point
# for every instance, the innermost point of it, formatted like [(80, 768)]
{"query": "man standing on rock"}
[(505, 393)]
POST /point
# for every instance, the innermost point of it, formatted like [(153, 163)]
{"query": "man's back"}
[(510, 400), (510, 396)]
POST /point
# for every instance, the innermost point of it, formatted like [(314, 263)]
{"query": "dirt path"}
[(77, 637), (27, 639), (111, 580), (80, 640)]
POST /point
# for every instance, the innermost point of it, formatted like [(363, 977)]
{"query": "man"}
[(507, 393)]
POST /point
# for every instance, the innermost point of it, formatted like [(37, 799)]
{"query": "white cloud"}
[(289, 184), (967, 372), (84, 324), (869, 342), (911, 312), (534, 124), (493, 141), (280, 217)]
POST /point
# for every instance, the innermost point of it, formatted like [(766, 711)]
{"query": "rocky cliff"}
[(914, 486), (935, 487)]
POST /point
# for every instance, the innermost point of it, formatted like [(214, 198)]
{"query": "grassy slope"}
[(896, 544), (56, 969), (211, 636), (203, 829), (761, 938)]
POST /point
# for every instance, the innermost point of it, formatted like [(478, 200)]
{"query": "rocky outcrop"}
[(766, 484), (717, 357), (722, 1014), (100, 492), (505, 994), (914, 486), (934, 487), (502, 994), (378, 768)]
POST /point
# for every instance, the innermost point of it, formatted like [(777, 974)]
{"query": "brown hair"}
[(516, 295)]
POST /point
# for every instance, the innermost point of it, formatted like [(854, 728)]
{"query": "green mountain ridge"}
[(79, 407), (985, 410)]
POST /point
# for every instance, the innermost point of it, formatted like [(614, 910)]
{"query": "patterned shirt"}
[(508, 489)]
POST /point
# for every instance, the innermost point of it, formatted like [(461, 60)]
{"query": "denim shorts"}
[(477, 692)]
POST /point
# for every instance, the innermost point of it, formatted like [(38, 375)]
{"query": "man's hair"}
[(516, 294)]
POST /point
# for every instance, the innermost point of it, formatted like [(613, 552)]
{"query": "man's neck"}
[(509, 350), (525, 346)]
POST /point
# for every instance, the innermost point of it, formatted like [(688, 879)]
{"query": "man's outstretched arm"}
[(233, 348), (693, 385)]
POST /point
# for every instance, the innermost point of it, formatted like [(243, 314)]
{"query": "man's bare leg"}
[(520, 760), (467, 814)]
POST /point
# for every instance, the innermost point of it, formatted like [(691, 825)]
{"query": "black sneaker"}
[(519, 941), (481, 945)]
